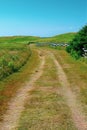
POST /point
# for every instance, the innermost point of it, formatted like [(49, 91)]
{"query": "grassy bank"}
[(12, 57), (12, 83), (14, 53)]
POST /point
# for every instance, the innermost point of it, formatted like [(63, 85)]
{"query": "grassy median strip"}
[(46, 108)]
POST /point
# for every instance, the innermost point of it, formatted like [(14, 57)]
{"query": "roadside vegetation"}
[(12, 57), (14, 53), (78, 46), (16, 64)]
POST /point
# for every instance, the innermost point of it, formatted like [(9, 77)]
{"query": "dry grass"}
[(76, 72), (11, 84), (46, 108)]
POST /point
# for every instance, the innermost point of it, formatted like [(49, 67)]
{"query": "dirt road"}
[(16, 106)]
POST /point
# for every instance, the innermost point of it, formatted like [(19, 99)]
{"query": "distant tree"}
[(78, 43)]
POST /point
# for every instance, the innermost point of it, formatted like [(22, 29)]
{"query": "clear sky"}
[(41, 17)]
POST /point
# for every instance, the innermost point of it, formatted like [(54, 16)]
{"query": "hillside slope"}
[(65, 38)]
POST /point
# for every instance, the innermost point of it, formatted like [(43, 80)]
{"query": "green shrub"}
[(78, 43)]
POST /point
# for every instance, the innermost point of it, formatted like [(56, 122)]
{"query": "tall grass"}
[(12, 57), (10, 85)]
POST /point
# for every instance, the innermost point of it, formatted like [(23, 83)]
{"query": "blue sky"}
[(41, 17)]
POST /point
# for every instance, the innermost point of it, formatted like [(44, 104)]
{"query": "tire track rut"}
[(77, 114)]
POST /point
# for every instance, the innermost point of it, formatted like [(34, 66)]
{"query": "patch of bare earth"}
[(16, 106), (77, 115)]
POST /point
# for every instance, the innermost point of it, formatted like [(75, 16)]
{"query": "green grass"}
[(9, 85), (14, 53), (65, 38), (12, 57), (46, 108), (18, 39)]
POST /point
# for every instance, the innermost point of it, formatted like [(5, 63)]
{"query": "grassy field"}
[(63, 38), (18, 39)]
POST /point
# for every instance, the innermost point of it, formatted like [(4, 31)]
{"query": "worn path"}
[(77, 115)]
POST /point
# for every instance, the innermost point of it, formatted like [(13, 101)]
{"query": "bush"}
[(78, 43)]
